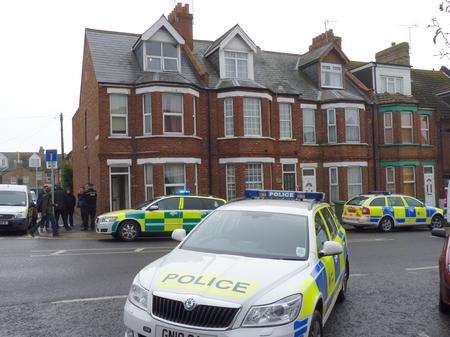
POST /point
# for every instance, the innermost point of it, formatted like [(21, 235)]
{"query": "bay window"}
[(147, 104), (352, 126), (354, 181), (388, 128), (425, 129), (285, 121), (409, 180), (309, 126), (228, 117), (161, 56), (406, 127), (236, 65), (252, 116), (174, 178), (331, 75), (173, 113), (118, 109), (148, 171), (332, 127), (230, 181), (334, 184), (254, 176)]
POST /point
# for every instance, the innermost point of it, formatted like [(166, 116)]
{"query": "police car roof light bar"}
[(183, 192), (284, 195), (380, 192)]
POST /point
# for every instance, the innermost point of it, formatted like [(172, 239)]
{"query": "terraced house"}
[(160, 111)]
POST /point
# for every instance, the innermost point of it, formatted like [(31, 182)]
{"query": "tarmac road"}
[(77, 287)]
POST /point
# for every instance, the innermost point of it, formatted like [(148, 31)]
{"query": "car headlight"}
[(107, 220), (278, 313), (138, 295), (20, 215)]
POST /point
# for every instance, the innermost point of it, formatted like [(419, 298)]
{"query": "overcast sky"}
[(42, 45)]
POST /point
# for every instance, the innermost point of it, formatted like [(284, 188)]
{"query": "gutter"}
[(375, 129)]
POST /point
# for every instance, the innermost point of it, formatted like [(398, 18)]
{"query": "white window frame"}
[(246, 129), (128, 173), (331, 125), (356, 125), (312, 125), (410, 181), (411, 127), (161, 58), (235, 61), (146, 184), (174, 185), (395, 81), (247, 183), (194, 115), (230, 181), (147, 114), (334, 184), (390, 182), (388, 127), (196, 178), (111, 115), (283, 172), (426, 130), (173, 114), (287, 121), (228, 115), (354, 184), (333, 71)]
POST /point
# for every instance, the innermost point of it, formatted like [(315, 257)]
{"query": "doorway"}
[(119, 188), (428, 177), (309, 180)]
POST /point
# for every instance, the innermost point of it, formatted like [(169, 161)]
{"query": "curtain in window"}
[(309, 133), (173, 113), (352, 125), (252, 116), (354, 180)]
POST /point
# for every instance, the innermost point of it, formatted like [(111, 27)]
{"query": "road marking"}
[(370, 240), (102, 249), (92, 299), (138, 250), (58, 252), (101, 253), (422, 268), (358, 275)]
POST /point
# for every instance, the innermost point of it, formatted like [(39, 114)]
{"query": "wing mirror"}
[(153, 208), (331, 248), (439, 232), (179, 234)]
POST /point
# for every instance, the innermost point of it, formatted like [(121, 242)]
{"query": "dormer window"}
[(391, 85), (236, 65), (161, 56), (331, 75)]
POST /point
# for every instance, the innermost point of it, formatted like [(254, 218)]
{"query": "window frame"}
[(386, 127), (147, 114), (164, 114), (228, 103), (247, 183), (194, 115), (385, 82), (313, 126), (162, 57), (331, 125), (255, 99), (235, 61), (332, 71), (125, 116), (146, 184), (336, 184), (414, 182), (287, 121), (392, 183), (230, 185), (354, 184), (174, 184), (403, 127), (355, 125), (283, 172), (426, 130)]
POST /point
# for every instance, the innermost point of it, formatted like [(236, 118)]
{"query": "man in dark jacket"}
[(47, 212), (70, 201), (81, 204), (60, 207), (91, 204)]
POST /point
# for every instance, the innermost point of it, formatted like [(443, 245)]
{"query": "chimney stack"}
[(325, 38), (395, 54), (182, 21)]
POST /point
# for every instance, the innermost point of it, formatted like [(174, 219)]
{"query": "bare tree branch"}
[(441, 37)]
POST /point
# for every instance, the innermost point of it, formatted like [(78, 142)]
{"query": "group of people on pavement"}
[(62, 205)]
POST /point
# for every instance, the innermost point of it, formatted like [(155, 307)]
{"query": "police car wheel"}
[(386, 224), (316, 325), (128, 231), (437, 222), (443, 307)]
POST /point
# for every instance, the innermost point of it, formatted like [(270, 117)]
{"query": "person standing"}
[(60, 207), (70, 201), (91, 204), (47, 212), (81, 204)]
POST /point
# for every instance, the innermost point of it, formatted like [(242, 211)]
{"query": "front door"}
[(309, 180), (428, 177), (120, 188)]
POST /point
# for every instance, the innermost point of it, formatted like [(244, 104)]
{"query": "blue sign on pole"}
[(51, 156)]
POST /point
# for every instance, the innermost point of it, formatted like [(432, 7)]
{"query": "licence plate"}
[(4, 222), (162, 331)]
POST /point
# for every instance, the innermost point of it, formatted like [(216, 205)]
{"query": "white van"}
[(15, 203)]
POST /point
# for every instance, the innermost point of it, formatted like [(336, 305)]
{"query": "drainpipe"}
[(375, 129), (209, 143)]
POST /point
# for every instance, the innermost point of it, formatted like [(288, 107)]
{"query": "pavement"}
[(76, 285)]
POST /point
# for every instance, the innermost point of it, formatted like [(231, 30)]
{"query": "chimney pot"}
[(392, 44), (325, 38), (182, 21), (395, 54)]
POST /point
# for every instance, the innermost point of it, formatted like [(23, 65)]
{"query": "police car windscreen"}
[(254, 234)]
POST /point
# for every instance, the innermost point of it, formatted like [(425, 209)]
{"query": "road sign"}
[(51, 164), (51, 155), (34, 161)]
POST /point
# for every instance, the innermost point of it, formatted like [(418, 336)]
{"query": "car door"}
[(417, 209), (193, 212), (166, 218), (325, 275), (396, 209)]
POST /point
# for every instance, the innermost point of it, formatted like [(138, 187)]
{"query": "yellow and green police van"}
[(385, 211), (158, 217)]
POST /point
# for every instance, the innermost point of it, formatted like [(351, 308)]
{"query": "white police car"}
[(255, 267)]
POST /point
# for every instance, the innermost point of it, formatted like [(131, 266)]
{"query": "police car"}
[(160, 216), (384, 211), (264, 266)]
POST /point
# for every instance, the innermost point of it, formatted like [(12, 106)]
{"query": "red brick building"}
[(160, 111)]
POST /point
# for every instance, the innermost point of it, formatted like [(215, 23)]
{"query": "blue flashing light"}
[(380, 192), (183, 192), (284, 195)]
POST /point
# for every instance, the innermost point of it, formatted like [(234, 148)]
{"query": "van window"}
[(13, 198)]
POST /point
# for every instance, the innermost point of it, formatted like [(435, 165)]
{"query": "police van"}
[(273, 264), (15, 208)]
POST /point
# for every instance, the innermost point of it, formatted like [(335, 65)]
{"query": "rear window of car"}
[(357, 201), (378, 202)]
